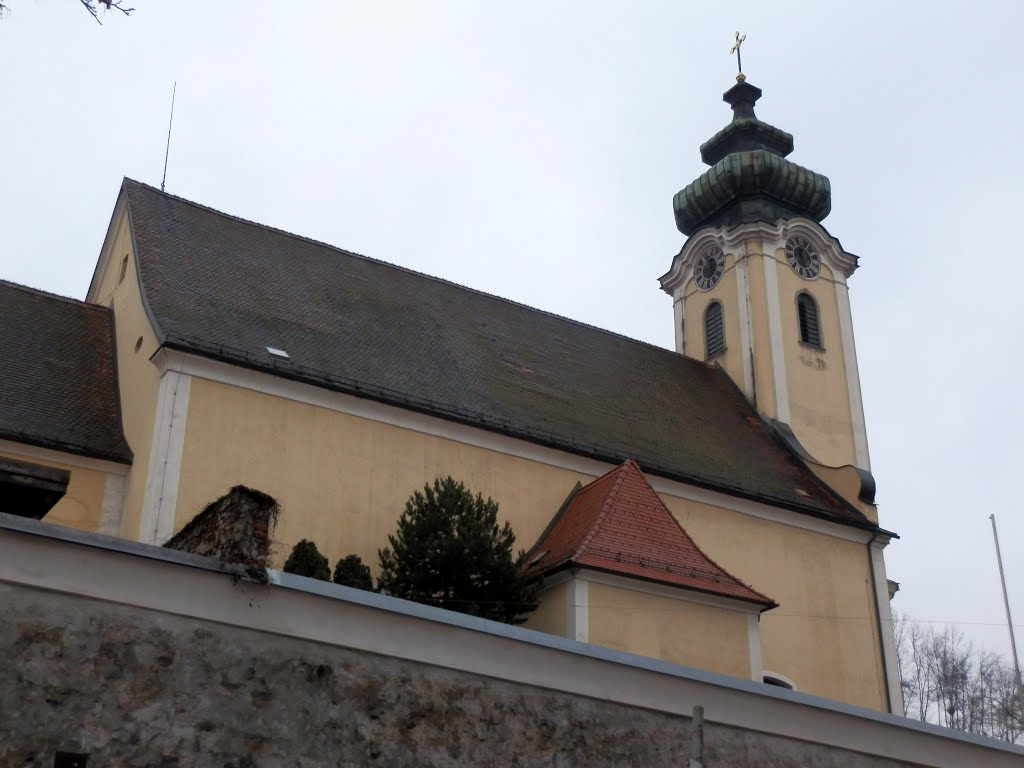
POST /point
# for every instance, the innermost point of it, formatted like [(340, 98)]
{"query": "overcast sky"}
[(531, 150)]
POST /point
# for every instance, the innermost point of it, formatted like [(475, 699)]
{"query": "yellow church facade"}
[(224, 377)]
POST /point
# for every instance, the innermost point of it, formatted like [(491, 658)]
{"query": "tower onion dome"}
[(749, 179)]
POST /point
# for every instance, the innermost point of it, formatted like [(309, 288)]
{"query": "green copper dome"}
[(750, 178)]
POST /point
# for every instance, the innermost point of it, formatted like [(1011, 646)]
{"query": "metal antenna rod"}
[(167, 152), (1006, 603)]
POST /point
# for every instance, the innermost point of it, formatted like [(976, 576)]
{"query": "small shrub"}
[(306, 560), (351, 571)]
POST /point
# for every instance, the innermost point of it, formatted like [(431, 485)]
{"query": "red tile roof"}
[(620, 525)]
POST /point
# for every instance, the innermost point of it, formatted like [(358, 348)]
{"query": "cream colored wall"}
[(681, 632), (823, 634), (137, 377), (819, 400), (343, 480), (551, 611), (82, 505)]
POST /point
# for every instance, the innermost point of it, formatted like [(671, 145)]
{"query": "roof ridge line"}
[(690, 538), (411, 271), (50, 295), (608, 500)]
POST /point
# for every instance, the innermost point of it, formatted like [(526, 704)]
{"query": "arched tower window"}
[(807, 315), (714, 330)]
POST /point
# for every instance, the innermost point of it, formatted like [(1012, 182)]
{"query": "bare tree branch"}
[(119, 5), (93, 9)]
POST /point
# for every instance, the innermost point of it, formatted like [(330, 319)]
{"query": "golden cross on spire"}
[(736, 49)]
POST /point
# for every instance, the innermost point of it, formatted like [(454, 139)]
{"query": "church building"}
[(711, 505)]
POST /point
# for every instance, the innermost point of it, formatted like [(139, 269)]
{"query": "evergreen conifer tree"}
[(306, 560), (450, 552), (351, 571)]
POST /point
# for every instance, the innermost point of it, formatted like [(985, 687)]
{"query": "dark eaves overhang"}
[(53, 444)]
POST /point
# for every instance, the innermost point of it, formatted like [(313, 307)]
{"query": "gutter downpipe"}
[(878, 623)]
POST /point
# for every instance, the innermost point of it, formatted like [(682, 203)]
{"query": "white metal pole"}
[(1006, 603)]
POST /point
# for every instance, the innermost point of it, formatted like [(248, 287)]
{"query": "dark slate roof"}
[(58, 387), (619, 525), (227, 288)]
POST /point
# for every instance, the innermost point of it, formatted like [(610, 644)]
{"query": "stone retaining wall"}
[(136, 655), (133, 687)]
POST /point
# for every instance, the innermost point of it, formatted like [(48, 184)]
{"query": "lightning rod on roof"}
[(167, 152)]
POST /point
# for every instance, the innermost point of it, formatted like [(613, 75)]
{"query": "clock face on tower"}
[(709, 268), (803, 258)]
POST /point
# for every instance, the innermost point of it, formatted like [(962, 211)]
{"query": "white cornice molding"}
[(667, 591), (25, 451), (880, 540), (225, 373), (731, 240)]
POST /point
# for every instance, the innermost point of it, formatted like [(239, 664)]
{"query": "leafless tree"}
[(92, 6), (946, 680)]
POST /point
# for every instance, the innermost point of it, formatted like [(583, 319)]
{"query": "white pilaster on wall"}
[(743, 304), (157, 521), (754, 644), (771, 284), (860, 435), (577, 616), (680, 319), (112, 511), (892, 664)]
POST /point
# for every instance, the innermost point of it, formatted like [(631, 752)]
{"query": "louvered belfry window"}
[(714, 330), (810, 328)]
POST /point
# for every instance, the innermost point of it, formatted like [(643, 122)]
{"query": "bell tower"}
[(760, 286)]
